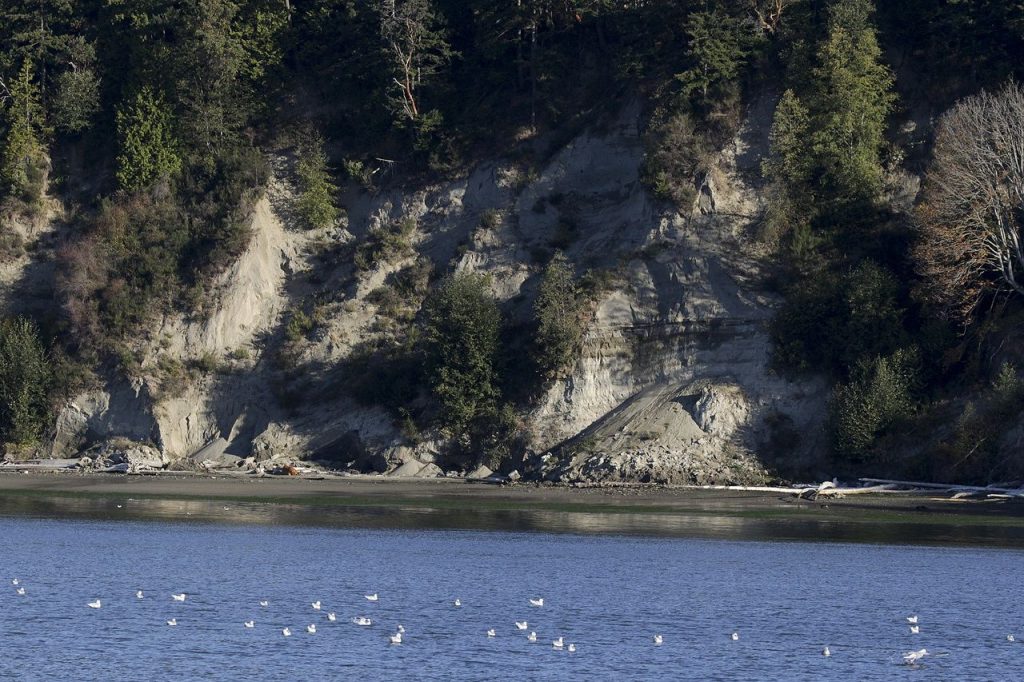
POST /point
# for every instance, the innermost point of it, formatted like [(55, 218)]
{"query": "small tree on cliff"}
[(25, 381), (149, 148), (462, 335)]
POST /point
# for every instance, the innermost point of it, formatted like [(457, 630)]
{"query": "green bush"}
[(879, 395), (385, 244), (461, 331), (316, 202), (559, 312), (25, 382), (677, 154), (149, 150)]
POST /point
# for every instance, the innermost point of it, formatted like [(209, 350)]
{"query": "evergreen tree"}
[(317, 190), (462, 335), (25, 380), (558, 311), (715, 51), (23, 157), (149, 148), (850, 100)]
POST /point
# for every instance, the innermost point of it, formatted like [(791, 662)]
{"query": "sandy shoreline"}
[(377, 490)]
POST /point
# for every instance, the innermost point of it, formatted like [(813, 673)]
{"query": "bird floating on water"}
[(371, 597), (396, 638), (557, 644), (735, 636), (458, 602), (139, 595), (264, 603), (249, 624), (95, 604), (491, 633), (286, 632), (15, 582), (179, 597), (532, 637), (311, 629), (915, 629), (362, 620), (521, 625), (401, 629), (316, 605), (658, 639), (537, 602), (912, 657), (21, 591), (172, 622), (826, 652), (1011, 638), (572, 648), (912, 619), (331, 617)]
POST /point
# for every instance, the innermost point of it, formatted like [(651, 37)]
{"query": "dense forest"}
[(150, 121)]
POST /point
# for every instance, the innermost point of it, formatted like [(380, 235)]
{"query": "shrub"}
[(560, 323), (25, 382), (299, 326), (878, 396), (677, 154), (149, 148), (316, 204), (386, 243), (461, 331)]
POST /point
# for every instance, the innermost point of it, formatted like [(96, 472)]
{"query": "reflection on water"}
[(844, 527)]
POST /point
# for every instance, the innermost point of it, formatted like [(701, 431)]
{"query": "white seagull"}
[(537, 602), (362, 620), (179, 597), (94, 604), (735, 636), (371, 597), (458, 602), (401, 629), (557, 644), (172, 622), (249, 624), (658, 639), (491, 633), (532, 637), (826, 652), (331, 617), (311, 629), (912, 657), (286, 632), (15, 582), (915, 629), (264, 603), (521, 625), (21, 591), (572, 648), (1011, 638), (912, 619), (139, 595), (316, 605), (396, 638)]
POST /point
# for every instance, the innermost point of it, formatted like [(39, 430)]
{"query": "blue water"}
[(608, 595)]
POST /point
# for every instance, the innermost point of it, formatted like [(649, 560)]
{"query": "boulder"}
[(430, 470), (406, 469), (481, 471)]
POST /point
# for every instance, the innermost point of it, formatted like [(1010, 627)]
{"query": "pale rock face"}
[(672, 382)]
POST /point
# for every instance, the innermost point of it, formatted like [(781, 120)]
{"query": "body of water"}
[(609, 595)]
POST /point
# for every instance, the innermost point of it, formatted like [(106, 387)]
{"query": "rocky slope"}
[(673, 383)]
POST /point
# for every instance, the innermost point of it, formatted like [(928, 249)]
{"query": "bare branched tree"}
[(415, 41), (972, 215), (768, 13)]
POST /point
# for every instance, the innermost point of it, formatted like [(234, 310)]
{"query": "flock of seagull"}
[(909, 658)]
